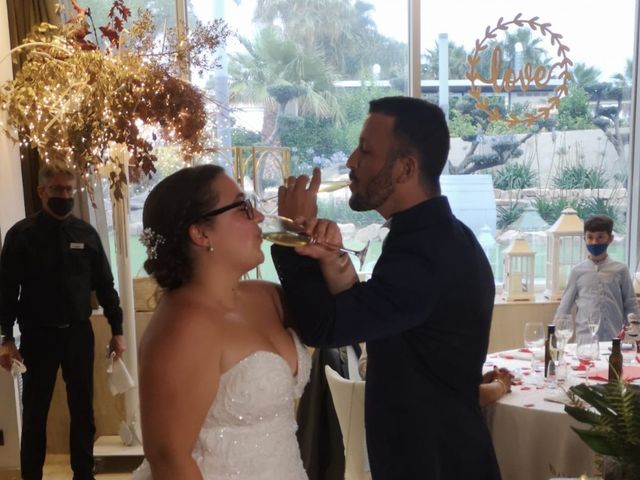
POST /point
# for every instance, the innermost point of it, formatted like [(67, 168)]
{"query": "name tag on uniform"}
[(76, 246)]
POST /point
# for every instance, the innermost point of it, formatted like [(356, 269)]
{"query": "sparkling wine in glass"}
[(325, 187), (534, 340), (284, 231)]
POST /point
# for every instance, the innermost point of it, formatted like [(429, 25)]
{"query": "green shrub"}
[(574, 112), (551, 208), (508, 214), (242, 137), (514, 175), (602, 206), (577, 176)]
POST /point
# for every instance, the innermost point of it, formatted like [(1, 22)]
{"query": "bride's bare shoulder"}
[(261, 291), (182, 319), (265, 295)]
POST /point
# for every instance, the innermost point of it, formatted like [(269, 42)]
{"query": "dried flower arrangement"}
[(71, 100)]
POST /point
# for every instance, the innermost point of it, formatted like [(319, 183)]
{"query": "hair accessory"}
[(152, 241)]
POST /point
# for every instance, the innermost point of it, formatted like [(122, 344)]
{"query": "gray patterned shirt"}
[(605, 287)]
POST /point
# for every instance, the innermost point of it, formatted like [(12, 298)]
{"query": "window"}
[(299, 75), (295, 82), (578, 157)]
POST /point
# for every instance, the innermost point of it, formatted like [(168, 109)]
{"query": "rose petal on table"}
[(529, 405), (525, 350), (525, 388)]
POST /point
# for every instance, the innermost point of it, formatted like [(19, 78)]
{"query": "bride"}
[(219, 372)]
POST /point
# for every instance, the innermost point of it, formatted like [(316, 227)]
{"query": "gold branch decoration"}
[(71, 100)]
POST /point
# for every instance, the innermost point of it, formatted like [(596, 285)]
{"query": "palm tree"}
[(457, 62), (624, 80), (275, 71), (585, 76), (342, 29), (532, 51)]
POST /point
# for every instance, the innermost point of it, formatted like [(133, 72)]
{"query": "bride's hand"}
[(325, 233)]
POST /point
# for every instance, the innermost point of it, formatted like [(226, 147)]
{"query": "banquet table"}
[(531, 432)]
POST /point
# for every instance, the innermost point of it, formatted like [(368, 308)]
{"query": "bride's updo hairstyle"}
[(172, 206)]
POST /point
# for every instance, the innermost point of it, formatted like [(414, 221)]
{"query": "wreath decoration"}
[(565, 75)]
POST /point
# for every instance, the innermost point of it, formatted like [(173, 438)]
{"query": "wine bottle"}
[(550, 351), (615, 361)]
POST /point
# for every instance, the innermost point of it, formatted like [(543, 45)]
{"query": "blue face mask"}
[(597, 249)]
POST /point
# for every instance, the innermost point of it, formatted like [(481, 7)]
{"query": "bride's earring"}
[(210, 248)]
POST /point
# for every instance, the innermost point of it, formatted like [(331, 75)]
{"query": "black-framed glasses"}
[(245, 205)]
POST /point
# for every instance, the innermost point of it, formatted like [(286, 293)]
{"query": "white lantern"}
[(519, 272), (565, 249)]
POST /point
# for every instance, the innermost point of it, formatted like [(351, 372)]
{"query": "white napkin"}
[(559, 397), (118, 376), (17, 367)]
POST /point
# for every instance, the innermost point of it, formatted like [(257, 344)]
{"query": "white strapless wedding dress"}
[(249, 431)]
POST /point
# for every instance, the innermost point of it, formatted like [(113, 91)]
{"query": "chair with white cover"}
[(348, 400)]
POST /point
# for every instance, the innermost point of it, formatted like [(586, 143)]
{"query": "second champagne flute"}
[(534, 341), (564, 332), (284, 231)]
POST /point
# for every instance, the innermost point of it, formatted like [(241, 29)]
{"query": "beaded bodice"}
[(249, 431)]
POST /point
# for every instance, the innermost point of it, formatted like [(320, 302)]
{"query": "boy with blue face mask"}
[(601, 288)]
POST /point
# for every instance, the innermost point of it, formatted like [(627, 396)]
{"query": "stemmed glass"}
[(325, 187), (284, 231), (593, 322), (533, 340), (587, 351), (564, 332)]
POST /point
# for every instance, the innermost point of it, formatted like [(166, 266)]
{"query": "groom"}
[(426, 311)]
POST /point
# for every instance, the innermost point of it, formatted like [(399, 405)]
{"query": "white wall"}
[(11, 210)]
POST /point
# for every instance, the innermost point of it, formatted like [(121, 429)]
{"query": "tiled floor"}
[(57, 468)]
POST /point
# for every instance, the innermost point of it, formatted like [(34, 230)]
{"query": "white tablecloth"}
[(532, 436)]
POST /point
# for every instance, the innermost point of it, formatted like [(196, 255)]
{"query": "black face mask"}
[(60, 206)]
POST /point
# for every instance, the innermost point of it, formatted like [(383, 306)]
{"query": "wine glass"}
[(593, 322), (552, 369), (325, 187), (284, 231), (533, 340), (587, 351), (564, 331)]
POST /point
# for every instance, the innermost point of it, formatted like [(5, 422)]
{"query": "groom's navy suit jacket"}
[(425, 315)]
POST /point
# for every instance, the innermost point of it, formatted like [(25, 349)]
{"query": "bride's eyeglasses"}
[(246, 205)]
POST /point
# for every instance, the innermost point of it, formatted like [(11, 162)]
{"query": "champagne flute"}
[(564, 331), (587, 351), (325, 187), (593, 322), (284, 231), (533, 340)]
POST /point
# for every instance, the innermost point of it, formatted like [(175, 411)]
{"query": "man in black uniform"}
[(49, 265)]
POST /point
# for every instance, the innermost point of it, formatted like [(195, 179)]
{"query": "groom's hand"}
[(297, 199)]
